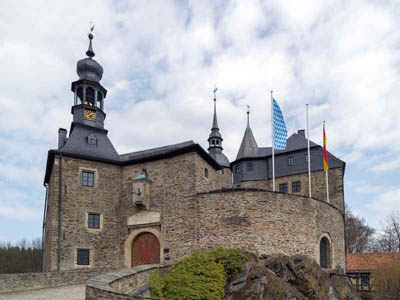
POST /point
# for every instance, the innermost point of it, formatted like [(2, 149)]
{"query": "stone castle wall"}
[(175, 181), (27, 281), (189, 216), (269, 222), (77, 201), (318, 185)]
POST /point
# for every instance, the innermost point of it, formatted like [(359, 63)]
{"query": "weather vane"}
[(215, 92), (91, 27)]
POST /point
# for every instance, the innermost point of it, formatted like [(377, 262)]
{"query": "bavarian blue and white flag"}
[(279, 127)]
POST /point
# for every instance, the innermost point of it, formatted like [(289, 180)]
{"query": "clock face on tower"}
[(89, 114)]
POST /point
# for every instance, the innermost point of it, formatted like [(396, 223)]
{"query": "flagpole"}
[(326, 171), (273, 140), (308, 155)]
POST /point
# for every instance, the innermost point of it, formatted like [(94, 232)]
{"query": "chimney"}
[(302, 132), (62, 137)]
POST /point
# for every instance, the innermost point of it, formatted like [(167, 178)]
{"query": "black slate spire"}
[(215, 139), (248, 147)]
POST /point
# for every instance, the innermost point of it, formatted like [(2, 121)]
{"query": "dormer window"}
[(92, 140)]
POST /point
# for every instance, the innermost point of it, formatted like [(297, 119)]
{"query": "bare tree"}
[(389, 239), (358, 233)]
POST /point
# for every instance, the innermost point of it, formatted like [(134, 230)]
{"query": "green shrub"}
[(231, 259), (200, 276), (156, 284)]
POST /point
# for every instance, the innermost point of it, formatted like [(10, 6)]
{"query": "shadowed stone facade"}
[(101, 204)]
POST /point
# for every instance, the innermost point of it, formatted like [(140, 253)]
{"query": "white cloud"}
[(162, 59)]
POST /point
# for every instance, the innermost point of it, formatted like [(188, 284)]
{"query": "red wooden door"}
[(145, 250)]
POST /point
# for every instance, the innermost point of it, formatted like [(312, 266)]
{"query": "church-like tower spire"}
[(215, 138)]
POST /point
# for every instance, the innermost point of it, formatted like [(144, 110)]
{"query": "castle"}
[(109, 210)]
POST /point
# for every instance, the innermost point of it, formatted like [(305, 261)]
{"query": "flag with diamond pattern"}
[(279, 127)]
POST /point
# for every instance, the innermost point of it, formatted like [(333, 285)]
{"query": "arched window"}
[(90, 96), (99, 99), (324, 253), (80, 94)]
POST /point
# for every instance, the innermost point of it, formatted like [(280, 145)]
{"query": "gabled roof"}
[(364, 262), (295, 142), (136, 157), (248, 147)]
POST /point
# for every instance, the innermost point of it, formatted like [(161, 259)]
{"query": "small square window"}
[(237, 169), (223, 171), (250, 167), (94, 220), (283, 187), (83, 257), (87, 178), (296, 187), (290, 161), (92, 140), (206, 172)]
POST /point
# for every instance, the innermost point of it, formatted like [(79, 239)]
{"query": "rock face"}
[(288, 278)]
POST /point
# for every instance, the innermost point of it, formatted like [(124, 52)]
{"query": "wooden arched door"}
[(145, 250)]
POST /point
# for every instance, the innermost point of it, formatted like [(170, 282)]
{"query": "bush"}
[(386, 280), (201, 276), (231, 259)]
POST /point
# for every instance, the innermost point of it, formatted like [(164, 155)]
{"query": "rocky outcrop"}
[(289, 278)]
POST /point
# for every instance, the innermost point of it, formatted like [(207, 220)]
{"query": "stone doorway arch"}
[(145, 250), (130, 244)]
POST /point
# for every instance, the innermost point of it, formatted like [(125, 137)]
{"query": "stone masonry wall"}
[(224, 179), (267, 222), (77, 201), (25, 281), (175, 181), (50, 246), (318, 182)]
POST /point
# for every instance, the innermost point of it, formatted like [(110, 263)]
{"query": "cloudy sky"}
[(161, 60)]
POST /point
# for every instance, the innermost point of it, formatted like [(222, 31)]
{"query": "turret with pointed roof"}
[(215, 140), (248, 147)]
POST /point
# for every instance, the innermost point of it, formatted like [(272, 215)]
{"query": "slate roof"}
[(248, 147), (366, 262), (77, 143), (154, 151), (107, 156), (221, 159), (295, 142)]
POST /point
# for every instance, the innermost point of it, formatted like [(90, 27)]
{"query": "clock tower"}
[(88, 137), (89, 94)]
